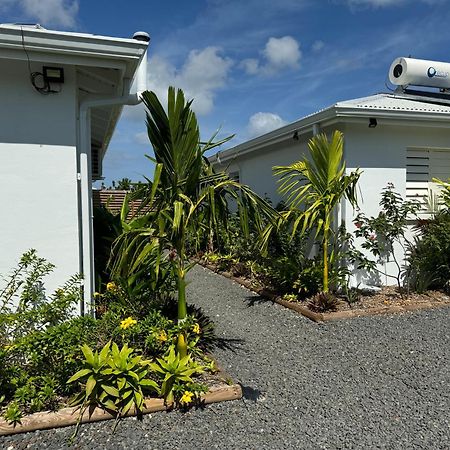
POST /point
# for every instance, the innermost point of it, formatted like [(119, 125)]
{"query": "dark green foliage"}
[(40, 339), (429, 257), (285, 267), (56, 350), (107, 227)]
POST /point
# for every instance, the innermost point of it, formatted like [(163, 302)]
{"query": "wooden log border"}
[(70, 416), (323, 317)]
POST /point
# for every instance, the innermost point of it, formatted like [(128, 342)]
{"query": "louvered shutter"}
[(422, 165)]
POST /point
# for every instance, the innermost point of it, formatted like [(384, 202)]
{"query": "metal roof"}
[(395, 102), (421, 106)]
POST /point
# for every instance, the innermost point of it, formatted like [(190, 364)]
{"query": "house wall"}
[(380, 153), (38, 172), (255, 169)]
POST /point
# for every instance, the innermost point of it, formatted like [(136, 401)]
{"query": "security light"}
[(53, 74)]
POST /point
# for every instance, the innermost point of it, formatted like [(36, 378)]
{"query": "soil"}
[(390, 296)]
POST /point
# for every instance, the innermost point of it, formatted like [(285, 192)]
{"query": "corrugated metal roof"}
[(396, 105), (395, 102)]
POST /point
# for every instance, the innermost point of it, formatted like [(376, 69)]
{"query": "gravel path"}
[(368, 383)]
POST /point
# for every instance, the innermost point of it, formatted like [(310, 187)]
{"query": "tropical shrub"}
[(175, 372), (381, 234), (184, 195), (40, 350), (114, 379), (24, 303), (313, 187), (429, 255)]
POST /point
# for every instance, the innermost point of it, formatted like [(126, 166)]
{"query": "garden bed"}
[(220, 389), (70, 416), (386, 301)]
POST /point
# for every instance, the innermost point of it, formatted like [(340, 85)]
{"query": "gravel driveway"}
[(368, 383)]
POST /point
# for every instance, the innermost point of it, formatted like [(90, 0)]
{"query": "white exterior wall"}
[(256, 171), (38, 172), (380, 153)]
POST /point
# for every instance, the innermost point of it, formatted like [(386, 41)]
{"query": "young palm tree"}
[(314, 186), (185, 194)]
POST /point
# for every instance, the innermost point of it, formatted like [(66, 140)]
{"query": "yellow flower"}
[(97, 295), (127, 323), (162, 337), (111, 286), (187, 397), (196, 328)]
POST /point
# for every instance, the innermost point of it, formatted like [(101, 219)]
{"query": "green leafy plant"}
[(24, 304), (13, 413), (185, 195), (445, 193), (381, 234), (429, 255), (174, 370), (113, 379), (313, 187)]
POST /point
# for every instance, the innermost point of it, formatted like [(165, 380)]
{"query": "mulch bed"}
[(387, 301)]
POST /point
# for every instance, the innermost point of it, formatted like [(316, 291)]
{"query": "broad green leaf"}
[(81, 373)]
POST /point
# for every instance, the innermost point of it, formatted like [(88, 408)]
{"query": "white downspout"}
[(87, 232)]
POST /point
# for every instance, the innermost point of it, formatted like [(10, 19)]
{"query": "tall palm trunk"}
[(325, 261), (182, 306)]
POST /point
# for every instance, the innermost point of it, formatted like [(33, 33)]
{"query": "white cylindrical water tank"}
[(420, 72)]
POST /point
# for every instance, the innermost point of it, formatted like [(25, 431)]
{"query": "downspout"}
[(87, 232)]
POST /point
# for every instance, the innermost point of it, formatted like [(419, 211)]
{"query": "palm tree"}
[(313, 188), (185, 194)]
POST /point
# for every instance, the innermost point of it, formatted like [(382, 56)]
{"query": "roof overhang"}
[(102, 64), (333, 115), (71, 48)]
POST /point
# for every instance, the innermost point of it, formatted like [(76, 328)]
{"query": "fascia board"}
[(73, 45), (392, 114), (333, 115), (277, 136), (61, 58)]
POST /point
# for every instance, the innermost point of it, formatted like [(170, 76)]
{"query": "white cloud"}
[(47, 12), (278, 54), (250, 65), (282, 52), (200, 76), (317, 46), (263, 122)]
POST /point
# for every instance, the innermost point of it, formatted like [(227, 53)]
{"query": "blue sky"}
[(251, 65)]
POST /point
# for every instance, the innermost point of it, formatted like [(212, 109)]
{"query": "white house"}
[(401, 138), (61, 96)]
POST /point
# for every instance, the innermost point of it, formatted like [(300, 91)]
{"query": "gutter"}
[(87, 267)]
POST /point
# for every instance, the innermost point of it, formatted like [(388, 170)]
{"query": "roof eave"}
[(325, 117), (80, 47)]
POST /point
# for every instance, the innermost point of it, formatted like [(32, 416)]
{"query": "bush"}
[(429, 257), (40, 343)]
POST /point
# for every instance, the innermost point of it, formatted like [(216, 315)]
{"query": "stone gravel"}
[(367, 383)]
